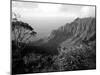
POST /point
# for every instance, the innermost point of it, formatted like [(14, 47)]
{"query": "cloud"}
[(36, 10), (87, 11), (23, 8), (30, 9), (24, 4), (47, 10), (78, 11)]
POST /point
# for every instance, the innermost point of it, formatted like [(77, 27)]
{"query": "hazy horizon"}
[(45, 17)]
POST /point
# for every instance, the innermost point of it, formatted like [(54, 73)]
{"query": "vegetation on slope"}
[(71, 47)]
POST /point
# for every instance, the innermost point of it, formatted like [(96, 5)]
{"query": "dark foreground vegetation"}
[(59, 55), (33, 61)]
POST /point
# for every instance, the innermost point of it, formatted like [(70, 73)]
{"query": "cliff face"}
[(81, 29), (74, 34)]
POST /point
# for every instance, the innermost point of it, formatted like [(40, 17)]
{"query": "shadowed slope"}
[(73, 33)]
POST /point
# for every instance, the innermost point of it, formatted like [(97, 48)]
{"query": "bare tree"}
[(22, 32)]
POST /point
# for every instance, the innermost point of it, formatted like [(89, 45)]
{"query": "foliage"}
[(22, 31), (78, 59), (77, 54)]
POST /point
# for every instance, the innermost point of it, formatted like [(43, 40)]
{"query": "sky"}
[(45, 17)]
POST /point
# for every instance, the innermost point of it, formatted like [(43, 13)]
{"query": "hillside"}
[(81, 29), (70, 47)]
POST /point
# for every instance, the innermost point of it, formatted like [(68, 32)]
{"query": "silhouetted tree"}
[(22, 32)]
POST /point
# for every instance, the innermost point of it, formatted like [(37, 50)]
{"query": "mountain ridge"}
[(70, 34)]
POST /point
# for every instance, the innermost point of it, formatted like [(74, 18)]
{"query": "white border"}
[(5, 37)]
